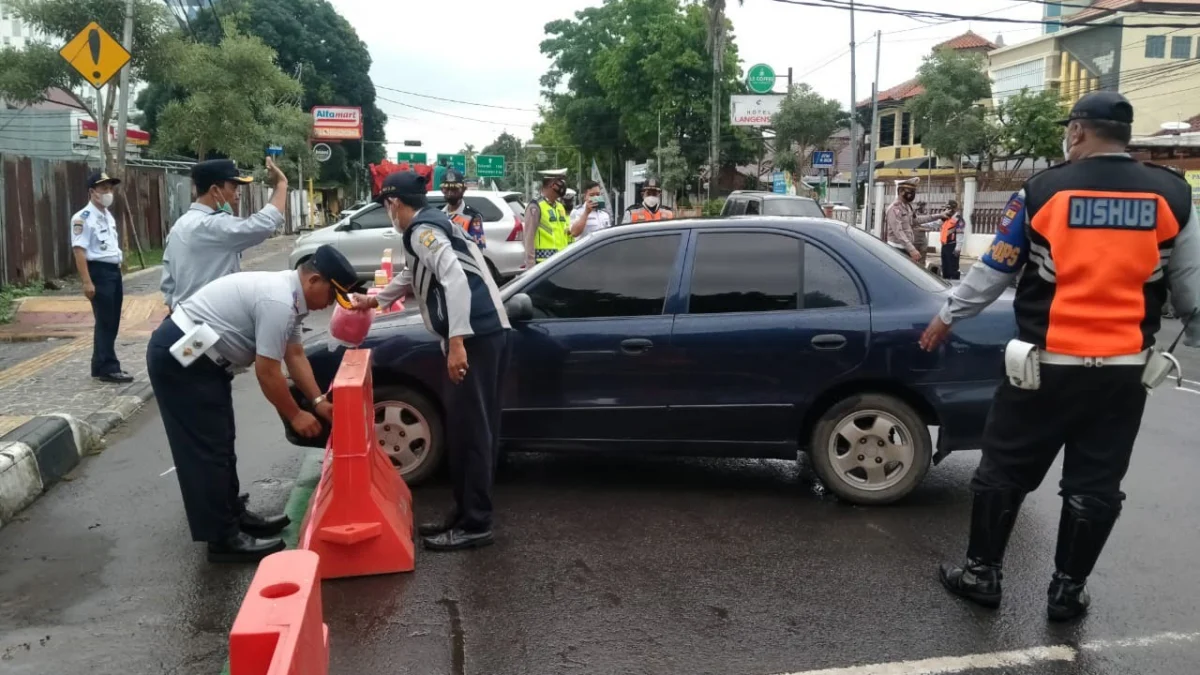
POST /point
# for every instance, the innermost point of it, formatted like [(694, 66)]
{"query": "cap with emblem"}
[(101, 178), (1107, 106), (452, 178), (214, 171), (652, 184), (401, 183), (337, 270)]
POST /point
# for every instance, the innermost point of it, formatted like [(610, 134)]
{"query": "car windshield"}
[(792, 207), (514, 203), (898, 261)]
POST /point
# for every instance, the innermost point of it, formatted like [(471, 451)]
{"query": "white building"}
[(13, 33)]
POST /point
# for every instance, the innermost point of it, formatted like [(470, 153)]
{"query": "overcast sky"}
[(485, 51)]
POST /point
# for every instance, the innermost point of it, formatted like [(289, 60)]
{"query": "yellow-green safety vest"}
[(553, 230)]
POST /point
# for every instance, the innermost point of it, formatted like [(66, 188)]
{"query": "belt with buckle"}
[(1052, 359)]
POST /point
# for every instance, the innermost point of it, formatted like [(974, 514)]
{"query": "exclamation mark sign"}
[(94, 45)]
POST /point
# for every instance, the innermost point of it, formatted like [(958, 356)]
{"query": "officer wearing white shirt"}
[(206, 243), (239, 320), (98, 259), (591, 216)]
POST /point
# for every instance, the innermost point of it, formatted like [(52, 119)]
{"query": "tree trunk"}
[(958, 181), (714, 158)]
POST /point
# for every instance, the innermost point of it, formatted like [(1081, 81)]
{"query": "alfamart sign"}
[(337, 123), (753, 110)]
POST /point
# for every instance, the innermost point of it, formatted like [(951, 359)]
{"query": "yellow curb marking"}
[(33, 366)]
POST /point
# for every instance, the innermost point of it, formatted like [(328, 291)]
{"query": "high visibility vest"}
[(474, 228), (644, 215), (553, 230), (950, 228)]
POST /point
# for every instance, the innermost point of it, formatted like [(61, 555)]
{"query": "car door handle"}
[(636, 346), (830, 341)]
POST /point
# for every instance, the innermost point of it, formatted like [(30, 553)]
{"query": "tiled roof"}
[(905, 90), (968, 40)]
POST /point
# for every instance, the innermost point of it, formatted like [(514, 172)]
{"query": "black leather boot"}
[(242, 548), (1083, 529), (993, 514)]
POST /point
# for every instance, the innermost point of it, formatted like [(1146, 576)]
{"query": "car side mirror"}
[(519, 308), (346, 226)]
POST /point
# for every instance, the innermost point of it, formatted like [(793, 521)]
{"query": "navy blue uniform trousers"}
[(196, 405), (106, 309), (473, 427)]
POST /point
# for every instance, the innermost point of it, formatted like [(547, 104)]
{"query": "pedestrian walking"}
[(207, 241), (461, 305), (650, 209), (238, 321), (592, 215), (460, 213), (546, 227), (1096, 242), (98, 259), (952, 229), (905, 227)]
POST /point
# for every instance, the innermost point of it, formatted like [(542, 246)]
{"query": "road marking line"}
[(948, 665), (1190, 391), (170, 470), (1193, 382)]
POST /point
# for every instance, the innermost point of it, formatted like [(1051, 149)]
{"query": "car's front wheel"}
[(871, 449), (409, 430)]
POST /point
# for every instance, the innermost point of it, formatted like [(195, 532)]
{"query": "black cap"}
[(452, 178), (334, 267), (1101, 105), (652, 184), (215, 171), (101, 178), (401, 183)]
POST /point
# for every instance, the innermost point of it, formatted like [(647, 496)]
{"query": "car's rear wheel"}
[(871, 449), (409, 430)]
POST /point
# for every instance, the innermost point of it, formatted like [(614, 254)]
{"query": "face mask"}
[(561, 190), (1066, 148), (223, 204), (106, 200), (650, 201), (908, 196)]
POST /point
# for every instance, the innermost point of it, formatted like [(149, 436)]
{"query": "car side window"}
[(628, 277), (739, 207), (826, 281), (753, 207), (745, 272), (491, 213), (374, 219)]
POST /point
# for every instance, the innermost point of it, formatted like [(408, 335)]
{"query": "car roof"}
[(767, 195), (812, 225)]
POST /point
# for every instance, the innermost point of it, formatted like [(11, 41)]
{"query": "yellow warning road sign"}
[(95, 54)]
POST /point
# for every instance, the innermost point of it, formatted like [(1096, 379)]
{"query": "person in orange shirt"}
[(952, 228), (650, 208), (1097, 242)]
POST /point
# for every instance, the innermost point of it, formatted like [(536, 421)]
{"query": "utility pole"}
[(658, 148), (853, 125), (362, 166), (123, 113), (868, 222)]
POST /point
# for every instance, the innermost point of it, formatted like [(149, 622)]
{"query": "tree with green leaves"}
[(235, 117), (718, 35), (469, 154), (28, 75), (1029, 126), (670, 167), (955, 124), (804, 123)]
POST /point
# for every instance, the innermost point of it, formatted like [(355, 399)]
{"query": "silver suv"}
[(756, 203), (363, 236)]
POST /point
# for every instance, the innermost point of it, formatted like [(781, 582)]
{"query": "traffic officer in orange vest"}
[(650, 207), (466, 217), (952, 227), (1096, 243)]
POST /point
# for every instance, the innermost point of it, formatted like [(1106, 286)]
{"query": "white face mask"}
[(106, 200), (1066, 148), (650, 201)]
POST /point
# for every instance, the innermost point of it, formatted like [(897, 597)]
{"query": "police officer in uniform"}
[(98, 259), (207, 242), (466, 217), (1096, 243), (650, 208), (238, 321), (547, 230), (460, 304)]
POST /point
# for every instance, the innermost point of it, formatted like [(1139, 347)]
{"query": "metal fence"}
[(989, 209)]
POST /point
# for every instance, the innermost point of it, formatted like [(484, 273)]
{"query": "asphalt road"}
[(614, 566)]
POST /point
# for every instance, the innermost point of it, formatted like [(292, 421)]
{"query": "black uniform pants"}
[(473, 427), (1094, 412), (106, 309), (950, 260), (196, 404)]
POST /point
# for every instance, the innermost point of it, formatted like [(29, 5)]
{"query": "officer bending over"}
[(1096, 243), (460, 304), (243, 319)]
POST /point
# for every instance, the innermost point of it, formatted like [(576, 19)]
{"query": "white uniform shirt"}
[(205, 244), (254, 313), (95, 231)]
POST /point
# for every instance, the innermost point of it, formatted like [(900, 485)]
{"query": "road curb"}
[(39, 453)]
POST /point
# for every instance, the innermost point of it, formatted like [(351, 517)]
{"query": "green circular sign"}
[(760, 78)]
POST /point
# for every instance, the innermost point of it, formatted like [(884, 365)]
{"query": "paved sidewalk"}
[(45, 354)]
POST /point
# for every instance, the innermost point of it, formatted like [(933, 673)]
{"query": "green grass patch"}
[(152, 256), (10, 294)]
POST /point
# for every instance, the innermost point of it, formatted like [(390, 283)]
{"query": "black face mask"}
[(908, 196)]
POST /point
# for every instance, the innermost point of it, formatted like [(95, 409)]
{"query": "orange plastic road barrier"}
[(360, 521), (279, 629)]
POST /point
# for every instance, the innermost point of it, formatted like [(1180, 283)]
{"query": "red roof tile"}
[(968, 40), (905, 90), (1193, 126)]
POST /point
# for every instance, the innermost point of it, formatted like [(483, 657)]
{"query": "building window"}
[(1181, 47), (1156, 46), (906, 129), (887, 131), (16, 28)]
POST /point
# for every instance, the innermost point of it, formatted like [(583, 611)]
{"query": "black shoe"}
[(993, 514), (119, 377), (458, 540), (242, 548), (1083, 529), (436, 528), (258, 526)]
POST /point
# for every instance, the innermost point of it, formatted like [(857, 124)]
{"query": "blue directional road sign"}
[(822, 159)]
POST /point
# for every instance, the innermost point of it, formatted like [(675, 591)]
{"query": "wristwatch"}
[(319, 400)]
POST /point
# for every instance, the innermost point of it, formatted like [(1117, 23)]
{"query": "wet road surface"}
[(615, 565)]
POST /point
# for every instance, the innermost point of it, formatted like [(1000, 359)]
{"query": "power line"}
[(451, 100), (1154, 12), (928, 14)]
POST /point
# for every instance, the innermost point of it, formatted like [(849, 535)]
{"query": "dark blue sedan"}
[(755, 338)]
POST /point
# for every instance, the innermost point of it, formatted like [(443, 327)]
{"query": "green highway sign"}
[(412, 157), (490, 166), (760, 78), (458, 162)]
